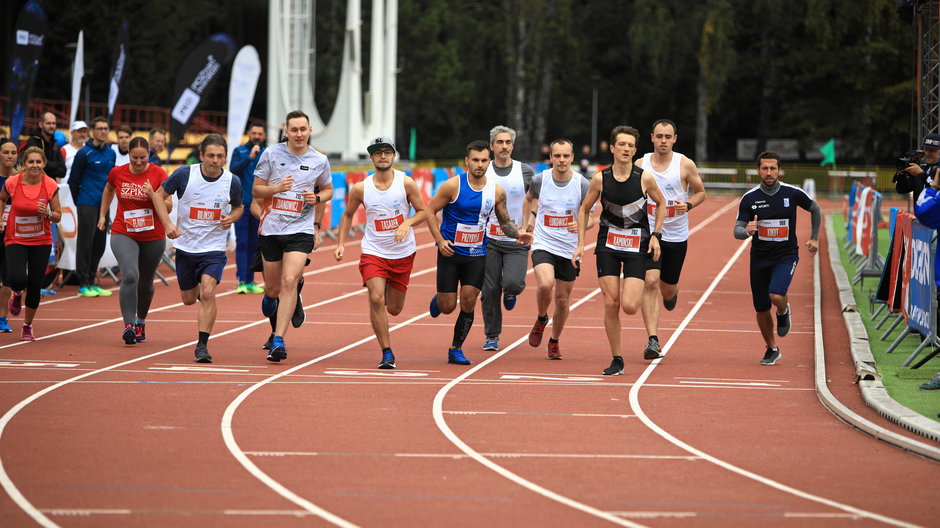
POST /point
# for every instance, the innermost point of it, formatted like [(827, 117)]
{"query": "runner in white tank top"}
[(682, 186), (388, 246)]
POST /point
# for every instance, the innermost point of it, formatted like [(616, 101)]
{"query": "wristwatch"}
[(317, 225), (657, 234)]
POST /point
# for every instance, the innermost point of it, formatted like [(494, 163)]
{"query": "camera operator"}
[(244, 160), (920, 170)]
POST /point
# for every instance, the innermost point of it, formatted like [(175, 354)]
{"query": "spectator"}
[(244, 160), (44, 138), (122, 147), (927, 211), (919, 175), (157, 146), (604, 157), (86, 181), (79, 135)]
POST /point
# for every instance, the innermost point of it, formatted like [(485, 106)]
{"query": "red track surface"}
[(156, 439)]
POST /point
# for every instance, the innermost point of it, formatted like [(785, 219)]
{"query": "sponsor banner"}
[(853, 204), (68, 230), (338, 203), (919, 271), (118, 66), (28, 38), (195, 78), (78, 71), (241, 93), (866, 215), (902, 231), (884, 283)]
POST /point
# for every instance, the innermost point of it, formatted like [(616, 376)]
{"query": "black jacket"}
[(905, 183), (55, 165)]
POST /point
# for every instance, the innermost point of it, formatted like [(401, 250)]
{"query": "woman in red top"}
[(138, 240), (34, 199)]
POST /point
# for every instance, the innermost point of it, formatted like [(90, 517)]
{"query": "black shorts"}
[(468, 271), (671, 258), (257, 265), (634, 265), (564, 271), (273, 247)]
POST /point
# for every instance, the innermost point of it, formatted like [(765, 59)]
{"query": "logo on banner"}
[(185, 107)]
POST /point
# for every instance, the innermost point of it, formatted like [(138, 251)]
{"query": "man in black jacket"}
[(44, 138), (918, 175)]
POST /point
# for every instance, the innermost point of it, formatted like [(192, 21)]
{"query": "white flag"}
[(78, 71), (241, 93)]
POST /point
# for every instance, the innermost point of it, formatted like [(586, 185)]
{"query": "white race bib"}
[(137, 220), (777, 230), (29, 226), (388, 224), (670, 208), (557, 218), (209, 213), (288, 203), (624, 239), (468, 235)]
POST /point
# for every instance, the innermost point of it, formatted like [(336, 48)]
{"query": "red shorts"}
[(396, 271)]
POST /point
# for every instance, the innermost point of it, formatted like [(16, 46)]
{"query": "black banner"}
[(118, 66), (29, 35), (195, 77)]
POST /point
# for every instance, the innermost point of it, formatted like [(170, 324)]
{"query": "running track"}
[(96, 433)]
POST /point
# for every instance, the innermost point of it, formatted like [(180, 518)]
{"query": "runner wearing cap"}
[(209, 202), (388, 245), (767, 215), (466, 203)]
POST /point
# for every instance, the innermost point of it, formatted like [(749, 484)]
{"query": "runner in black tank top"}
[(625, 241)]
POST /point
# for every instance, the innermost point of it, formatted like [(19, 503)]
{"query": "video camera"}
[(914, 156)]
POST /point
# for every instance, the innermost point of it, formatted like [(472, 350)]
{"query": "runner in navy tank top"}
[(624, 240), (465, 202), (767, 215)]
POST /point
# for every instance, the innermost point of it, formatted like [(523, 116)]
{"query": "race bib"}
[(206, 212), (288, 203), (557, 218), (137, 220), (6, 214), (777, 230), (624, 239), (496, 230), (29, 226), (388, 224), (468, 235), (670, 208)]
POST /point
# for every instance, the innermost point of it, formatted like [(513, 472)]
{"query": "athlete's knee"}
[(207, 295), (188, 298), (651, 282), (376, 298), (129, 277), (630, 306), (668, 290), (394, 309), (778, 299), (514, 287)]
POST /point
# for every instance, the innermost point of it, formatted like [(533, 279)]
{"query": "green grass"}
[(900, 381)]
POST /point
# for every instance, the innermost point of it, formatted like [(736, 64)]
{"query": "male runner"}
[(466, 201), (554, 198), (767, 214), (505, 259), (388, 244), (676, 175)]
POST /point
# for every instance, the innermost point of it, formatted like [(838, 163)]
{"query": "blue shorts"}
[(190, 267), (771, 276)]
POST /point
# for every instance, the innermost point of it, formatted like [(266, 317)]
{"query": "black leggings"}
[(29, 276)]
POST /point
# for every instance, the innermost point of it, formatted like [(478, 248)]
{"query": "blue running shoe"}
[(509, 301), (388, 361), (278, 350), (434, 308), (268, 306), (491, 343), (455, 356), (4, 325)]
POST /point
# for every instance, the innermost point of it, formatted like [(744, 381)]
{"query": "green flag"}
[(829, 153), (413, 145)]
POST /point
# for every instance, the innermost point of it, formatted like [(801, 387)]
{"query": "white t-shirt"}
[(286, 213)]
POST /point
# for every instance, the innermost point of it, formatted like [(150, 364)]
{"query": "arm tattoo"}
[(506, 223)]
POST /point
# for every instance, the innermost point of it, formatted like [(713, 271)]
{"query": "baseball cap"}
[(932, 141), (78, 125), (382, 141)]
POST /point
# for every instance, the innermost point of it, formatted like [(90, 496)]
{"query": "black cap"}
[(382, 141), (932, 141)]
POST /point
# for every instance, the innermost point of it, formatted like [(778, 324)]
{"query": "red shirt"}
[(135, 216), (25, 224)]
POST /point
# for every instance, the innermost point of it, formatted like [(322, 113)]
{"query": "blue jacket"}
[(244, 168), (927, 211), (89, 174)]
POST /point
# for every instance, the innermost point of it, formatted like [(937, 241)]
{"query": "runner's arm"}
[(106, 197), (353, 201), (694, 181), (594, 192)]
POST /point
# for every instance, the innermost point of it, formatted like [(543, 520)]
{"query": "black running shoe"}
[(670, 304), (652, 350), (783, 323), (299, 316), (267, 344), (202, 354), (615, 368), (771, 357), (129, 335)]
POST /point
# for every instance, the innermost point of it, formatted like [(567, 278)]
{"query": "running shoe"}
[(455, 356), (15, 305), (4, 325), (254, 288), (535, 336), (509, 301), (267, 344), (299, 316), (771, 357), (491, 344), (278, 350), (615, 368), (933, 384), (783, 323), (434, 309), (101, 291), (268, 306), (553, 351), (202, 354), (140, 330), (44, 292), (129, 335), (242, 288), (388, 361), (27, 333), (652, 350), (86, 291), (670, 304)]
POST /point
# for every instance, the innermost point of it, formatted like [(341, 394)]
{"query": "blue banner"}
[(850, 221), (338, 203), (29, 36), (921, 285)]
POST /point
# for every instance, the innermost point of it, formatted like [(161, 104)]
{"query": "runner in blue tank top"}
[(465, 203)]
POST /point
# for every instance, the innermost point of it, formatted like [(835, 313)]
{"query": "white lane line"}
[(635, 406), (458, 456)]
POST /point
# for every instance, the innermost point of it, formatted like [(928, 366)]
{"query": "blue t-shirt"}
[(177, 182), (776, 216)]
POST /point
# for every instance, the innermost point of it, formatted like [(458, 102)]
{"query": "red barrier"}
[(425, 180), (353, 178), (901, 242), (864, 220)]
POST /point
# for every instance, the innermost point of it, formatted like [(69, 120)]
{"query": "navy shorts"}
[(771, 276), (564, 270), (468, 271), (634, 265), (190, 267)]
